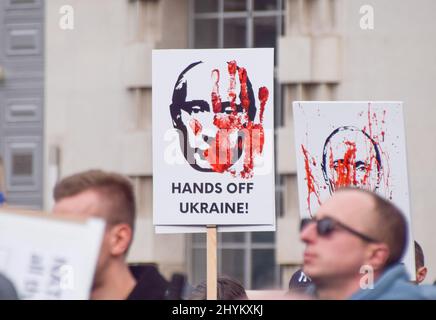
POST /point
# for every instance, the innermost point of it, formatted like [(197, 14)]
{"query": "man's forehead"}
[(86, 203), (347, 135), (349, 206), (340, 144), (200, 81)]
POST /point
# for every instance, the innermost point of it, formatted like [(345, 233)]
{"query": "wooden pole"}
[(212, 273)]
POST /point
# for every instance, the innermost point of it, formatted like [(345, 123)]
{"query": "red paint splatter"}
[(263, 97), (254, 141), (368, 167), (231, 66), (345, 173), (195, 126), (221, 152), (374, 118), (369, 120), (310, 180), (378, 135), (245, 101), (216, 99), (384, 166)]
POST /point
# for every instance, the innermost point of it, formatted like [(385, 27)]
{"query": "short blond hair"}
[(114, 188)]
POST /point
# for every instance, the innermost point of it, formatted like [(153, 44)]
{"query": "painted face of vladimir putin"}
[(351, 158), (216, 133)]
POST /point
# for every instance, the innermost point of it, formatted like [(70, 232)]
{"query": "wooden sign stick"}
[(212, 274)]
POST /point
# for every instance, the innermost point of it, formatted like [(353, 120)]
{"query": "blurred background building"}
[(78, 98)]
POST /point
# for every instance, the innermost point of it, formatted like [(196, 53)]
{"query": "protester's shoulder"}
[(398, 290), (410, 291), (151, 285), (394, 284), (403, 288), (428, 292)]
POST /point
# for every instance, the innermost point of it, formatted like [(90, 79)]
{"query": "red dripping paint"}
[(219, 154), (377, 133), (229, 122), (245, 101), (369, 119), (195, 126), (263, 97), (253, 147), (231, 66), (310, 180), (216, 99), (345, 168), (221, 150), (369, 164), (332, 167)]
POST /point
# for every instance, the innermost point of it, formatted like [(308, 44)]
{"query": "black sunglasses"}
[(327, 225)]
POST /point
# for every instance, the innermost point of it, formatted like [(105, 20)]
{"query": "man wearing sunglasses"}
[(355, 229)]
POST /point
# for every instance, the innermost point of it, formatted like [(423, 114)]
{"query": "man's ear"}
[(120, 239), (421, 273), (378, 255)]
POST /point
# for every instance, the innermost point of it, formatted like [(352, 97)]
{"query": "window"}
[(248, 257), (236, 23)]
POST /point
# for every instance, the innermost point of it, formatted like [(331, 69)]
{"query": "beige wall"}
[(98, 95), (310, 64), (98, 100), (85, 97), (396, 61)]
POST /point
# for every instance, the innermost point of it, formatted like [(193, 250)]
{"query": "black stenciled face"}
[(351, 158), (213, 133)]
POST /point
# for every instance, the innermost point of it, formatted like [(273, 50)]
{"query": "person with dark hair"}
[(110, 196), (354, 248), (228, 289), (299, 282), (7, 289), (421, 269)]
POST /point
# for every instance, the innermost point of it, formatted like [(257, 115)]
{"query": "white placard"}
[(213, 141), (358, 144), (49, 258)]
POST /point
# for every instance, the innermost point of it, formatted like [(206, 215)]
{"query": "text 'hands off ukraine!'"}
[(212, 188)]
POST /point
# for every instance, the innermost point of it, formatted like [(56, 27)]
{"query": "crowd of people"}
[(353, 230)]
